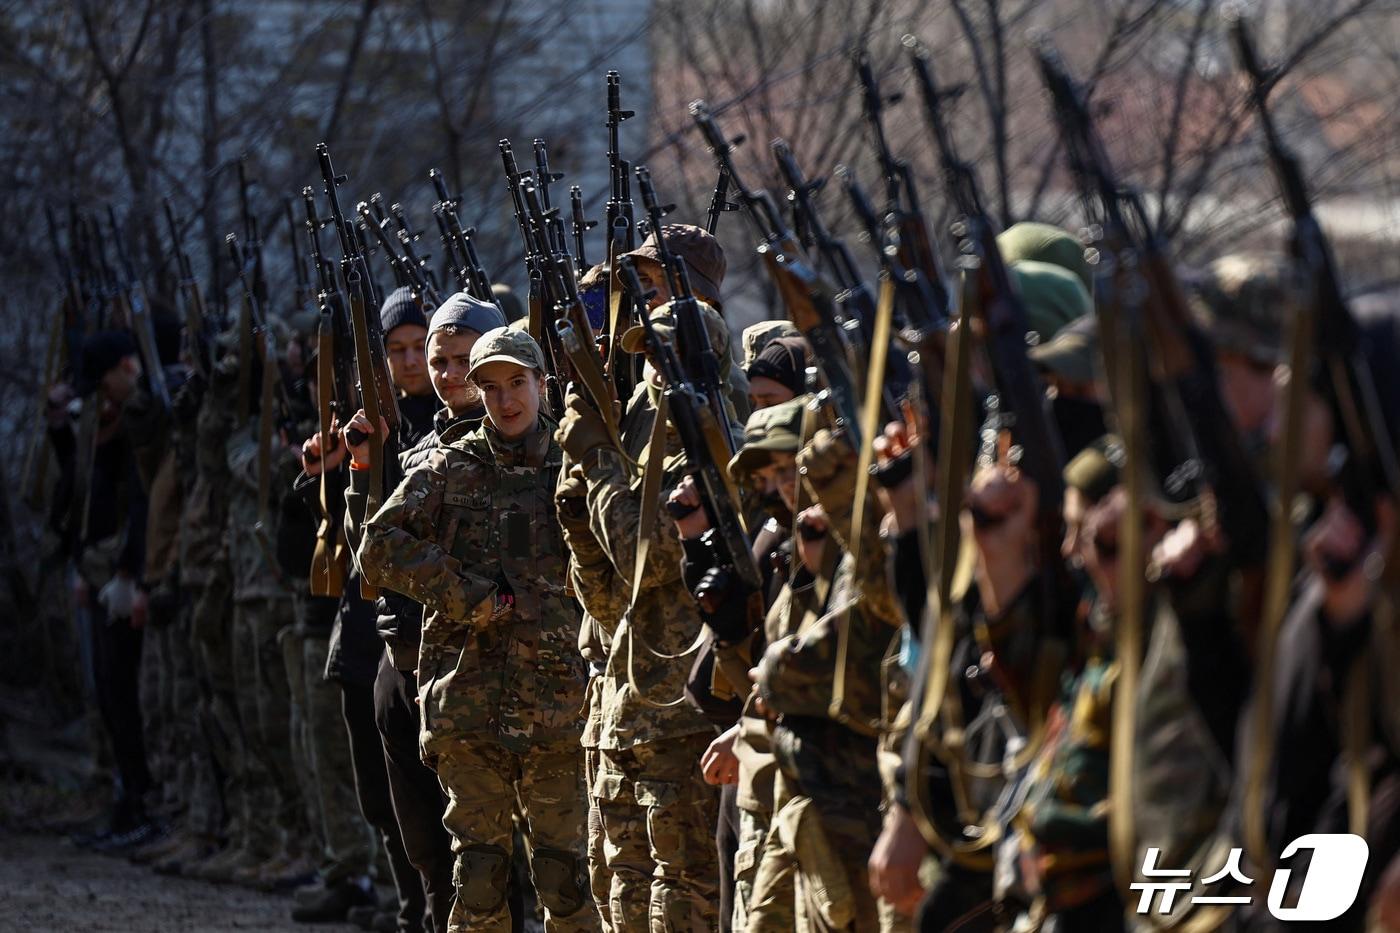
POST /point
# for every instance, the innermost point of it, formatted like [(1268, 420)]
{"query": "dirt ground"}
[(47, 884)]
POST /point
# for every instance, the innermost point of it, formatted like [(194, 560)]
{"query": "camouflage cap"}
[(1093, 472), (777, 429), (1045, 243), (1052, 295), (1240, 300), (506, 345), (663, 321), (757, 336), (703, 256), (1071, 354)]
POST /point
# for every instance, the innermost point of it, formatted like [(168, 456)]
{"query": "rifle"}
[(569, 346), (906, 247), (719, 203), (408, 270), (543, 179), (533, 251), (622, 229), (703, 439), (132, 299), (303, 295), (333, 386), (407, 238), (377, 396), (1185, 401), (699, 359), (1170, 394), (190, 299), (856, 301), (466, 266), (343, 400), (805, 295), (1364, 458), (580, 226)]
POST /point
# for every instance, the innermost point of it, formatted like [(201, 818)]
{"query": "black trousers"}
[(372, 789), (117, 673), (417, 796)]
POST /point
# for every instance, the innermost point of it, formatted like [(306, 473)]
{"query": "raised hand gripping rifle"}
[(1031, 438), (704, 439), (335, 402), (1326, 351), (1168, 409), (806, 297), (377, 396)]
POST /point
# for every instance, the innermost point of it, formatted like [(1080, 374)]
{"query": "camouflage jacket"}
[(251, 548), (797, 675), (203, 555), (650, 654), (471, 534)]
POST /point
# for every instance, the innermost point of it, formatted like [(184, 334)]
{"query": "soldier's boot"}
[(158, 849), (333, 903), (216, 865), (196, 849)]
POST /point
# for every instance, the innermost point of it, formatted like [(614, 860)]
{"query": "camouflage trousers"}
[(211, 639), (274, 814), (778, 894), (659, 821), (811, 874), (599, 878), (344, 844), (170, 699), (485, 785)]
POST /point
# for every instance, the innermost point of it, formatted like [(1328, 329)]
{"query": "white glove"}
[(117, 597)]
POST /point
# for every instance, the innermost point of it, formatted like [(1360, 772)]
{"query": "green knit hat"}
[(1053, 297), (1045, 243)]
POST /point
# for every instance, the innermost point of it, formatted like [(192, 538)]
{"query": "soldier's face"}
[(653, 278), (1248, 387), (408, 365), (765, 392), (779, 477), (449, 358), (511, 393), (119, 382)]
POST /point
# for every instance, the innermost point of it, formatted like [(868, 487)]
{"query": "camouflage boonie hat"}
[(777, 429), (698, 248), (634, 338), (757, 336), (1241, 299), (506, 345), (1045, 243)]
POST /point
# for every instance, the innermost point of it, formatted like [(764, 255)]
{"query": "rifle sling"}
[(869, 428), (646, 527)]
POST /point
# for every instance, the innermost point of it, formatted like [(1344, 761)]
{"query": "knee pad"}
[(558, 881), (480, 877)]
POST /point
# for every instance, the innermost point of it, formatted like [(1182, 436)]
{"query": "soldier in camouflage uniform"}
[(262, 609), (468, 534), (658, 814)]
